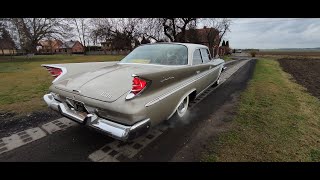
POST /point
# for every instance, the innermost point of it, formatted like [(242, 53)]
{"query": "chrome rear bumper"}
[(113, 129)]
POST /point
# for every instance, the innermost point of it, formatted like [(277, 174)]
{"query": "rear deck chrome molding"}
[(163, 65), (115, 130)]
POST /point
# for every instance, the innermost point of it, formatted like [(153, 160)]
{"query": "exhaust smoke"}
[(176, 121)]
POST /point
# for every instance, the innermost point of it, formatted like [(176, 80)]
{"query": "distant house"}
[(7, 48), (70, 47), (93, 48), (107, 45), (203, 36), (49, 46)]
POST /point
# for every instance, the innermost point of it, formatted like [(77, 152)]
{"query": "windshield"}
[(164, 54)]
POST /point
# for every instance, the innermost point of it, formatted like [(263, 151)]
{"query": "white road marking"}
[(57, 125), (112, 151), (21, 138), (27, 136), (232, 70)]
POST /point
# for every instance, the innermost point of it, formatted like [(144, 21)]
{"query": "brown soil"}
[(305, 71), (289, 53)]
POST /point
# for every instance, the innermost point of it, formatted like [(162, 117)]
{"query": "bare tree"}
[(218, 27), (123, 32), (102, 29), (222, 25), (81, 25), (11, 28), (175, 28), (128, 30), (151, 28), (6, 41), (24, 33), (32, 30)]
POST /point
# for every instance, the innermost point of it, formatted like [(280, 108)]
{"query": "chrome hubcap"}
[(182, 108)]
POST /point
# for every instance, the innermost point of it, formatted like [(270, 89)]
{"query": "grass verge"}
[(277, 120), (227, 58)]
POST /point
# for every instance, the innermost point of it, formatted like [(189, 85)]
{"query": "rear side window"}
[(205, 55), (197, 57)]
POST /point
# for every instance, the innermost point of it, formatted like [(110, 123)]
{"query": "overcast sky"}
[(269, 33)]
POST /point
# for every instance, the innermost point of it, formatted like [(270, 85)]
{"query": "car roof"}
[(188, 45)]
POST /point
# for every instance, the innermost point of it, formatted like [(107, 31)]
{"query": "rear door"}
[(213, 71), (201, 69)]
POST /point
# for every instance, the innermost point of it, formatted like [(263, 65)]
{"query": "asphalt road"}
[(78, 143)]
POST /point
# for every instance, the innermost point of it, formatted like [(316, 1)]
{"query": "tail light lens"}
[(138, 85), (55, 72)]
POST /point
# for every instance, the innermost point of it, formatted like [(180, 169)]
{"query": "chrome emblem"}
[(166, 79), (78, 91), (106, 95)]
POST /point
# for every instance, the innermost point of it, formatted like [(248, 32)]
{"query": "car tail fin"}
[(55, 71)]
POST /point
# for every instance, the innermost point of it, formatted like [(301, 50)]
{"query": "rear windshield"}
[(164, 54)]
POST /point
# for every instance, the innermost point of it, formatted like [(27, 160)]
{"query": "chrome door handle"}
[(198, 72)]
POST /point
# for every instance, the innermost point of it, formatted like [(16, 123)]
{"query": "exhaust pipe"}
[(51, 102), (224, 68)]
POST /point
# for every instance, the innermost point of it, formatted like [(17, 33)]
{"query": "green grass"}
[(24, 82), (227, 58), (277, 120)]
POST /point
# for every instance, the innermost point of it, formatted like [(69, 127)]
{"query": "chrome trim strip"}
[(197, 77), (206, 88), (64, 70), (209, 85), (135, 126), (117, 130), (156, 64)]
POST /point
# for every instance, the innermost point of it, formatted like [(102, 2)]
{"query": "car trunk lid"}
[(105, 84)]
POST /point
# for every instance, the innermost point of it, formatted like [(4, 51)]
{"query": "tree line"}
[(25, 33)]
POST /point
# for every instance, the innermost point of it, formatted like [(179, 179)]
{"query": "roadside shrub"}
[(253, 53)]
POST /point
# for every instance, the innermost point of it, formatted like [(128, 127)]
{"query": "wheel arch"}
[(191, 92)]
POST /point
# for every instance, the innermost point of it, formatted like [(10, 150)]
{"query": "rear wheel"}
[(217, 81), (183, 107)]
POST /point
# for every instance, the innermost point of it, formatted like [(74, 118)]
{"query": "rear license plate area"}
[(77, 106)]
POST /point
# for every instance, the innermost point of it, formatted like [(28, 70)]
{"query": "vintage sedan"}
[(125, 98)]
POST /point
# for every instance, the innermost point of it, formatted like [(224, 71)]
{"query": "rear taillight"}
[(138, 85), (55, 72)]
